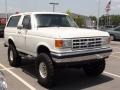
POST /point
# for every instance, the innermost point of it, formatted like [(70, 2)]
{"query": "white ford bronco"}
[(55, 41)]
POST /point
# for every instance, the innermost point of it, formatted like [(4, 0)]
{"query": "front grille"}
[(87, 43)]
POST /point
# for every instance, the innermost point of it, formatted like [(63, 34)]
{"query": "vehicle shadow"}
[(75, 79), (68, 79), (28, 67)]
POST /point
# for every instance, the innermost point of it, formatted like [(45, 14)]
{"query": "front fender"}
[(43, 44), (7, 40)]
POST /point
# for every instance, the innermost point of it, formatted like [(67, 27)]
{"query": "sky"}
[(83, 7)]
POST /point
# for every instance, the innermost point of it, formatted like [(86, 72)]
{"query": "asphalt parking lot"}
[(24, 78)]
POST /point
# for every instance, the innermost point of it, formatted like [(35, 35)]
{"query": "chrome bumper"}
[(81, 55)]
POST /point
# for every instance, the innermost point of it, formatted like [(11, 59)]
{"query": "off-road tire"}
[(94, 68), (16, 58), (48, 80)]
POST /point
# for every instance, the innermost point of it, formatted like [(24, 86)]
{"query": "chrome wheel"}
[(43, 70), (11, 55)]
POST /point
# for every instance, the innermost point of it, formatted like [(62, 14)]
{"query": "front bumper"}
[(81, 55)]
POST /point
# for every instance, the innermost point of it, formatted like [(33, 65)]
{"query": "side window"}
[(117, 29), (26, 22), (13, 22)]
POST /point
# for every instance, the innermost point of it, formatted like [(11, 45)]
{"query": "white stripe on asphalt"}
[(7, 68), (115, 47), (115, 52), (19, 78), (112, 74), (115, 56)]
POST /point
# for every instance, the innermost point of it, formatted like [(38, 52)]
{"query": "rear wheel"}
[(13, 57), (94, 68), (45, 70)]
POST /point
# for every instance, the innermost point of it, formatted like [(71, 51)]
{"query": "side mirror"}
[(20, 27)]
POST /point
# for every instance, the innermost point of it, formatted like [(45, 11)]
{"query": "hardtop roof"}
[(30, 13)]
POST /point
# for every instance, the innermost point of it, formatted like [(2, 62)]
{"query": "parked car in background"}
[(3, 84), (2, 31), (108, 27), (114, 33)]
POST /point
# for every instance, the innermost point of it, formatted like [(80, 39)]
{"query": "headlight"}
[(3, 84), (67, 44), (63, 43), (106, 40)]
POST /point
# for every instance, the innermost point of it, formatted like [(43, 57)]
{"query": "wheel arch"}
[(43, 49), (11, 41)]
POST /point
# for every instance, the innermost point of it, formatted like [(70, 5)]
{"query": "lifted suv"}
[(55, 40)]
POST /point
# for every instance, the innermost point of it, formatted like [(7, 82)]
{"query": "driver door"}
[(25, 26)]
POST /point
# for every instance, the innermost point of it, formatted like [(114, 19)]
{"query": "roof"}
[(40, 13)]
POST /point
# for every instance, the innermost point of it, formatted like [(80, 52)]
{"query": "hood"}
[(70, 32)]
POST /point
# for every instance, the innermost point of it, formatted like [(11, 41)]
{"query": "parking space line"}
[(19, 78), (7, 68), (115, 56), (112, 74), (115, 47), (116, 53)]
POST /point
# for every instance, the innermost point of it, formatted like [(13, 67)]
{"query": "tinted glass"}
[(26, 22), (49, 20), (117, 29), (13, 22)]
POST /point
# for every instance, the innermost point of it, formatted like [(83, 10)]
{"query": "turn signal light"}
[(59, 43)]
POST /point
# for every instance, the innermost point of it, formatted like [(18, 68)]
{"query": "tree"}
[(69, 13), (93, 18), (114, 20), (78, 19)]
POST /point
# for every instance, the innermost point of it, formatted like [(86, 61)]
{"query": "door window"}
[(26, 22), (117, 29), (13, 22)]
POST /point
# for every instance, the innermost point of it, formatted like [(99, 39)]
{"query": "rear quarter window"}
[(13, 22)]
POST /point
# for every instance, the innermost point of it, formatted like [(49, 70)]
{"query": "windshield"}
[(50, 20)]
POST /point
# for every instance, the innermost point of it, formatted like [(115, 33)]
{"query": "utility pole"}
[(54, 4), (6, 9), (99, 2)]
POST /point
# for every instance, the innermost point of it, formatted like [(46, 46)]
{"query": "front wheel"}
[(94, 68), (13, 57), (44, 70)]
